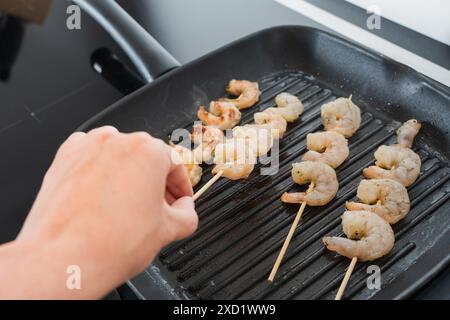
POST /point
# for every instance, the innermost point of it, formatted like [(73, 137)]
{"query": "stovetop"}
[(50, 81), (47, 88)]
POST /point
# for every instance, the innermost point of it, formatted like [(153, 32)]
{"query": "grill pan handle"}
[(148, 56)]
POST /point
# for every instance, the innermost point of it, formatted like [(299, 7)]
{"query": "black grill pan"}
[(243, 224)]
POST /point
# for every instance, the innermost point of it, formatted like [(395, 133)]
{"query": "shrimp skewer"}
[(260, 137), (235, 158), (291, 232), (342, 116), (273, 122), (322, 189), (369, 237), (325, 181), (207, 139), (390, 196), (393, 201), (328, 147), (222, 115), (407, 133), (288, 106), (187, 157), (398, 162), (328, 150), (347, 276), (248, 93), (341, 119)]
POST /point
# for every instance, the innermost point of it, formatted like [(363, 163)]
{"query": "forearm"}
[(37, 271)]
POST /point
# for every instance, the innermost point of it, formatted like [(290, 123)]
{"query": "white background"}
[(429, 17), (370, 40)]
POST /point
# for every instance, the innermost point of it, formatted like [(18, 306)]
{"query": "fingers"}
[(167, 163), (183, 218), (71, 146), (103, 132), (74, 140), (170, 199), (177, 181), (77, 139)]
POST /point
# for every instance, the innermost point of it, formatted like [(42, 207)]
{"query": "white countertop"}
[(369, 40)]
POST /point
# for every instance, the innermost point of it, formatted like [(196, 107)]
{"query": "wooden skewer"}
[(346, 278), (289, 237), (208, 185), (348, 274)]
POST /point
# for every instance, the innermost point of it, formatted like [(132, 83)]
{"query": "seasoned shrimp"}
[(274, 122), (207, 139), (342, 116), (407, 132), (258, 136), (194, 171), (289, 107), (396, 163), (222, 115), (328, 147), (325, 183), (393, 199), (369, 236), (247, 91), (235, 158)]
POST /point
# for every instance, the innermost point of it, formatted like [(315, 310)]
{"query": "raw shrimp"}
[(342, 116), (222, 115), (369, 236), (247, 91), (274, 122), (396, 163), (194, 171), (328, 147), (258, 136), (289, 107), (207, 139), (325, 183), (235, 158), (407, 132), (393, 199)]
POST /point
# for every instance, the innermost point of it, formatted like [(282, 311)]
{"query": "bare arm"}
[(108, 204)]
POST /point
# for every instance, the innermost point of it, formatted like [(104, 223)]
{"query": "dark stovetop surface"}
[(46, 90), (48, 86)]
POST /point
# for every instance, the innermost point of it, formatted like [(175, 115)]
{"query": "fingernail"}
[(175, 157), (191, 200)]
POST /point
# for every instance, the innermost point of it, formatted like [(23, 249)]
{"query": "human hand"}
[(108, 204)]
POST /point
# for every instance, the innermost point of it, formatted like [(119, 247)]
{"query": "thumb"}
[(183, 217)]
